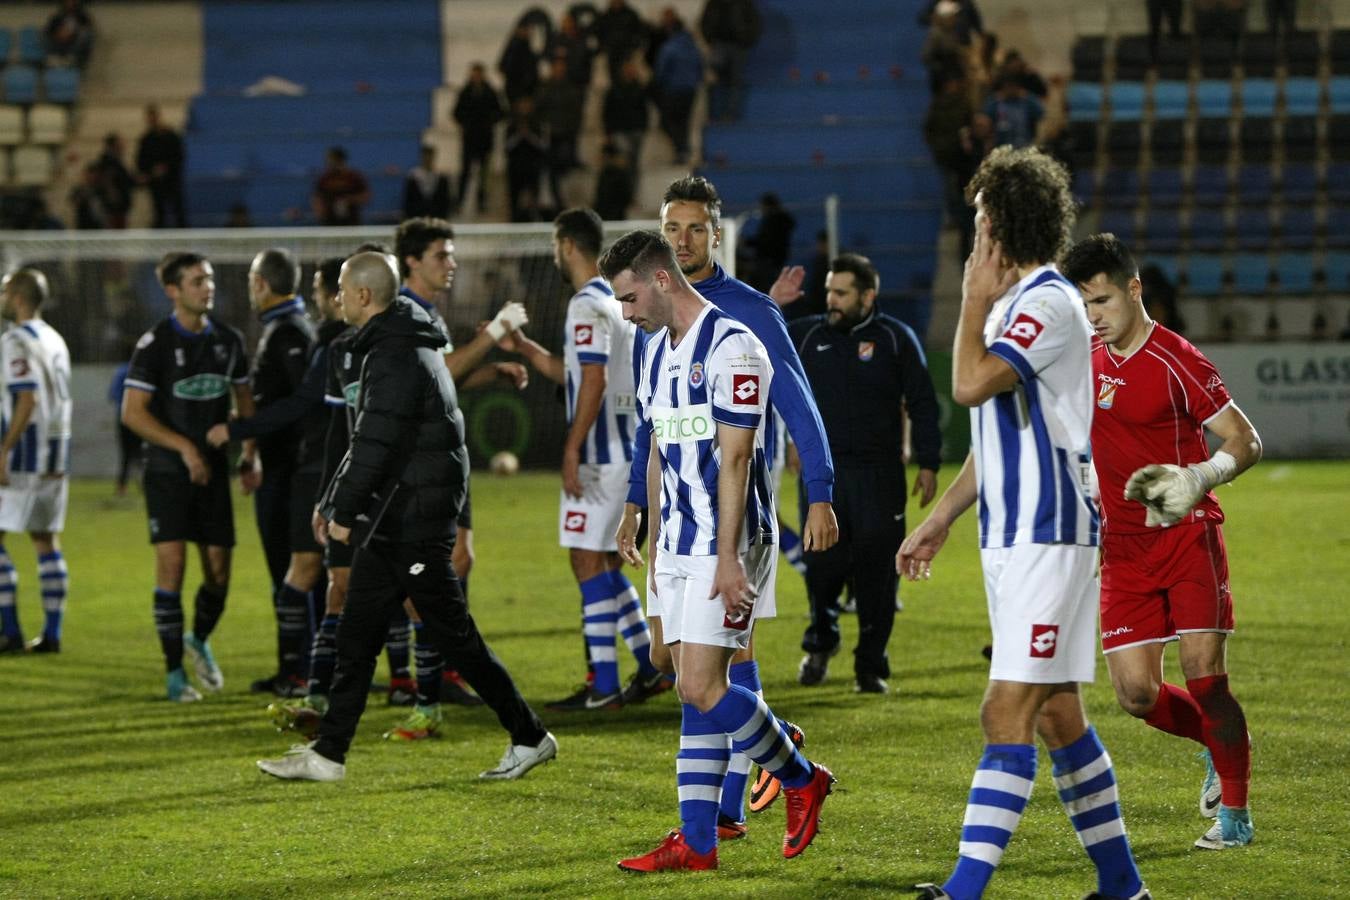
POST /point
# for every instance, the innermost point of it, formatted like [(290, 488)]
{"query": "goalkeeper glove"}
[(1169, 492), (511, 317)]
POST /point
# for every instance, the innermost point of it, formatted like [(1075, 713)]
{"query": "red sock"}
[(1176, 712), (1225, 736)]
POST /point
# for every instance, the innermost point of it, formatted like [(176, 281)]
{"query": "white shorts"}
[(689, 614), (1042, 612), (34, 503), (591, 522)]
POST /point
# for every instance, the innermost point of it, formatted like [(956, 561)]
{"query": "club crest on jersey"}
[(220, 352), (1106, 396), (1023, 331), (745, 388), (582, 334), (574, 522), (1044, 638), (696, 375), (866, 349), (18, 367), (1215, 383)]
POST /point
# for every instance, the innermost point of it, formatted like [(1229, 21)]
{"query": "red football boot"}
[(728, 829), (803, 811), (671, 853)]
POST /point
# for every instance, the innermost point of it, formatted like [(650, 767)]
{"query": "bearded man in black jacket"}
[(395, 498)]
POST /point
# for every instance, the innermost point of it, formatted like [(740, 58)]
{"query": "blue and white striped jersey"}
[(595, 333), (1033, 455), (719, 373), (33, 357)]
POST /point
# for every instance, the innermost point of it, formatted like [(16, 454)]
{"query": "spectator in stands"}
[(159, 160), (86, 199), (1321, 328), (478, 109), (949, 115), (519, 65), (625, 114), (526, 154), (1015, 114), (1015, 68), (575, 48), (1221, 18), (70, 33), (1160, 298), (559, 104), (239, 216), (1345, 332), (1158, 10), (621, 33), (730, 28), (341, 191), (115, 180), (615, 186), (966, 17), (943, 53), (1280, 15), (426, 192), (771, 242), (676, 78)]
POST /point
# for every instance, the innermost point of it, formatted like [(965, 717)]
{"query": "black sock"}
[(396, 646), (207, 610), (292, 629), (323, 656), (430, 668), (169, 624)]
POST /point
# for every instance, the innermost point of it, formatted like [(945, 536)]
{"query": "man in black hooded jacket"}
[(395, 498)]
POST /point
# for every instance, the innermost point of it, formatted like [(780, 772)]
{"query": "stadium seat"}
[(32, 48), (1174, 60), (1338, 227), (1083, 141), (1258, 97), (6, 44), (1258, 55), (1255, 183), (1165, 186), (11, 125), (1213, 139), (1122, 143), (1127, 100), (61, 84), (1132, 57), (1257, 139), (1251, 273), (1209, 185), (20, 84), (1302, 96), (1336, 270), (1120, 222), (1204, 275), (1340, 51), (1171, 99), (1338, 138), (1169, 265), (1167, 141), (1302, 53), (1338, 183), (1299, 182), (1252, 228), (1298, 228), (1120, 186), (1294, 272), (1084, 186), (1216, 58), (1088, 54), (1214, 98), (32, 166), (1085, 101), (1338, 94), (1207, 229), (1300, 139), (47, 124), (1162, 230)]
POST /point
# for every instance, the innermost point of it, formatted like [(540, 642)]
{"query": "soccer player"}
[(183, 375), (279, 366), (1021, 362), (34, 455), (1164, 569), (690, 222), (704, 385), (597, 370)]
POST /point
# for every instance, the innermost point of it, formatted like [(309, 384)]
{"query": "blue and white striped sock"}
[(746, 674), (790, 545), (54, 578), (599, 617), (998, 794), (632, 624), (9, 592), (756, 732), (1087, 788), (700, 767)]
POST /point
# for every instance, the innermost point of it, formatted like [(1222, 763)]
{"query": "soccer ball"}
[(504, 462)]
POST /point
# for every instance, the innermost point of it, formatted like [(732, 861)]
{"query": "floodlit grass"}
[(111, 791)]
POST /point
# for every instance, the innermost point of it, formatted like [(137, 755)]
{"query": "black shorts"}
[(465, 517), (182, 511), (337, 555), (304, 490)]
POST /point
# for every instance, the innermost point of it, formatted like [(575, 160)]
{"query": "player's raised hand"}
[(914, 560), (509, 318), (788, 288), (986, 278), (822, 528), (626, 536)]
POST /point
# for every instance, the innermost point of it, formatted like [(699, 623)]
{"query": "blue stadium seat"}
[(1338, 183), (1214, 99), (1294, 272), (1127, 101), (1119, 222), (1298, 227), (1258, 97), (61, 84), (1209, 185), (1171, 99), (6, 44), (1251, 273), (1254, 183), (1170, 265), (1208, 228), (1204, 275), (21, 84), (1120, 186), (1338, 227), (32, 48), (1302, 96), (1084, 185), (1085, 101), (1299, 182), (1252, 227), (1162, 230), (1338, 92), (1336, 268), (1165, 186)]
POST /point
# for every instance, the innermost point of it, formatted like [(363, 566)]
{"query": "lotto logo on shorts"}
[(581, 334), (1043, 641), (575, 521), (1024, 331), (745, 388)]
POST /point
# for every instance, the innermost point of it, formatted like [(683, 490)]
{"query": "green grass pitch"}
[(108, 790)]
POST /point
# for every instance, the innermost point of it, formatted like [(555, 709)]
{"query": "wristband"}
[(1220, 468)]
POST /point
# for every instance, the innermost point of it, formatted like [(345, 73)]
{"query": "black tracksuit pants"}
[(869, 502), (383, 573)]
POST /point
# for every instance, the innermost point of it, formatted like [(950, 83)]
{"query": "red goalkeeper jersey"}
[(1152, 407)]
